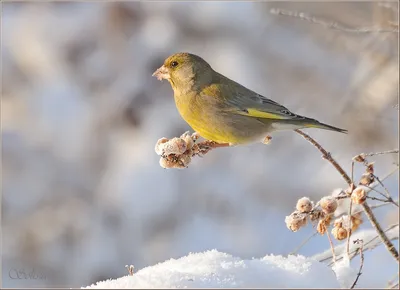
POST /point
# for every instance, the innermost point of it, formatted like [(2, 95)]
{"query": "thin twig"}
[(303, 243), (361, 262), (332, 247), (380, 153), (390, 199), (388, 244), (374, 189), (350, 208), (350, 231), (329, 24), (378, 199)]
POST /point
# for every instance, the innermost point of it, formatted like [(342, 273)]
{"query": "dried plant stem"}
[(326, 155), (332, 247), (361, 262), (383, 152), (350, 231), (303, 243), (329, 24), (387, 194)]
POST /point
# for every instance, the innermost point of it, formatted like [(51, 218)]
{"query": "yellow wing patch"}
[(260, 114)]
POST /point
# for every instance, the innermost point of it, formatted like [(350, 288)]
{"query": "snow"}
[(346, 275), (215, 269)]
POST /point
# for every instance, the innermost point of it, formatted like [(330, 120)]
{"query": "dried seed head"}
[(185, 159), (328, 204), (356, 221), (170, 163), (359, 158), (160, 146), (370, 168), (304, 204), (321, 227), (339, 233), (316, 215), (188, 138), (175, 146), (295, 221), (367, 179), (358, 196)]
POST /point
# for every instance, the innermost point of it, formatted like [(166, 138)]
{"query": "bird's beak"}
[(161, 73)]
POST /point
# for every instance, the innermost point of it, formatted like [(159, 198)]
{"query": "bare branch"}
[(388, 244), (330, 24)]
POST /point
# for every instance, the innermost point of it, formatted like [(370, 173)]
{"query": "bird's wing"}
[(246, 102)]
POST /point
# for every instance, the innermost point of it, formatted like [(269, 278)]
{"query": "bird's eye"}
[(174, 63)]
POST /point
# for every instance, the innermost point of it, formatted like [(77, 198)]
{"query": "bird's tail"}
[(312, 123)]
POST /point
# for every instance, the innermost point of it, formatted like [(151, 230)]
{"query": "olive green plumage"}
[(222, 110)]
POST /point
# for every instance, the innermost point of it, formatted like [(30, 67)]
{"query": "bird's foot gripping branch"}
[(178, 152)]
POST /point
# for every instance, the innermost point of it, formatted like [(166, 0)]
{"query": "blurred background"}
[(83, 192)]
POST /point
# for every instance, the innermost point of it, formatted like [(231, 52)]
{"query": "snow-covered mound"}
[(216, 269)]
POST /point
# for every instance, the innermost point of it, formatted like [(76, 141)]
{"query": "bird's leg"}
[(267, 139), (213, 144), (207, 145)]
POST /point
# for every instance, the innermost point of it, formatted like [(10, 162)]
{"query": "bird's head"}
[(183, 70)]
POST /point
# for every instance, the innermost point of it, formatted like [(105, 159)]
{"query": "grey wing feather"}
[(247, 99)]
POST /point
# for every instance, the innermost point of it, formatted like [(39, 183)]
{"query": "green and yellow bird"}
[(223, 111)]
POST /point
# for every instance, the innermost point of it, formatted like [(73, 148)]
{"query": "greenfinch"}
[(223, 111)]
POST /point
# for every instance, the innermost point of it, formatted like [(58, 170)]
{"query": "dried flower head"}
[(170, 163), (328, 204), (322, 227), (339, 233), (359, 158), (367, 179), (370, 168), (356, 221), (160, 146), (316, 214), (175, 146), (359, 196), (304, 204), (189, 139), (295, 221)]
